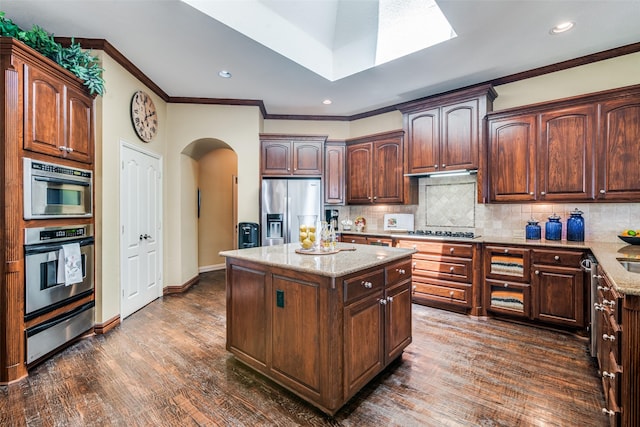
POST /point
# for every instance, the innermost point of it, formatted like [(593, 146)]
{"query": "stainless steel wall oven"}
[(46, 291)]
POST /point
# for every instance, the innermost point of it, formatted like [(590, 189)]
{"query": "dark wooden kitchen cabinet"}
[(375, 170), (291, 155), (334, 173), (618, 153), (542, 156), (576, 149), (58, 117), (512, 159), (445, 133)]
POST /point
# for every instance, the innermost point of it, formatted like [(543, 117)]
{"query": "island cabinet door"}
[(363, 341), (398, 321), (296, 333), (247, 314)]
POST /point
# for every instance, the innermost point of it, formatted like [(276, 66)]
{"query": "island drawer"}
[(398, 272), (556, 257), (364, 284)]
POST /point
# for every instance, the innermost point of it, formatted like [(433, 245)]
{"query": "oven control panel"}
[(56, 234)]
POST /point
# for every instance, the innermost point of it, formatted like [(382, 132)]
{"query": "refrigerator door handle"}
[(288, 219)]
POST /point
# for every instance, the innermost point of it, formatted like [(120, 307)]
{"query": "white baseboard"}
[(214, 267)]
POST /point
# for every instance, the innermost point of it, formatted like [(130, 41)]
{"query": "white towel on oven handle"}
[(70, 264)]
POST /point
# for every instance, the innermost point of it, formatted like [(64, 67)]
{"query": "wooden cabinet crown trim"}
[(376, 137), (450, 97)]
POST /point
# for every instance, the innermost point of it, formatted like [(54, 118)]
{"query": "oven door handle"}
[(61, 181), (51, 247)]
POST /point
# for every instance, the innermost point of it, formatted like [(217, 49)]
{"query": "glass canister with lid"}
[(553, 228), (532, 230), (575, 226)]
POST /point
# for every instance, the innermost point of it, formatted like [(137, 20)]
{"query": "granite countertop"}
[(605, 252), (332, 265)]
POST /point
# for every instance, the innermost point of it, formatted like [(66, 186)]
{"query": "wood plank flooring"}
[(166, 365)]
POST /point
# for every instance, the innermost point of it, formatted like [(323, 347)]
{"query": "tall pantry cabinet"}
[(45, 113)]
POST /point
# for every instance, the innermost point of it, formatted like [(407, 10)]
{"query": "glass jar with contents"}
[(553, 228)]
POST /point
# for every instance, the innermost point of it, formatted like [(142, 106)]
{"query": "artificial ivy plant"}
[(73, 58)]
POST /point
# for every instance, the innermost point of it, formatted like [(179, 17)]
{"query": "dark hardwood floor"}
[(166, 365)]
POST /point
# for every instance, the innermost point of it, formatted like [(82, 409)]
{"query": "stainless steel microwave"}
[(56, 191)]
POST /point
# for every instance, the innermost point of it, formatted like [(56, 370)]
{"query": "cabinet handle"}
[(451, 250), (400, 270), (383, 301), (506, 251), (608, 412), (598, 307), (609, 303), (367, 285), (69, 150), (603, 288), (506, 285), (606, 337), (602, 191), (390, 299), (597, 276), (606, 374), (557, 258), (62, 148)]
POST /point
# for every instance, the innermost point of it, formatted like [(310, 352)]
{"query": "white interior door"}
[(141, 234)]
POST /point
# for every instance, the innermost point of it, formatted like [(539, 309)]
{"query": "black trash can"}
[(248, 235)]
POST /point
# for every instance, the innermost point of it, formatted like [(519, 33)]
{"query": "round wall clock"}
[(144, 116)]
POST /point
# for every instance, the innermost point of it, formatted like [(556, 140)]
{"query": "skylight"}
[(335, 38)]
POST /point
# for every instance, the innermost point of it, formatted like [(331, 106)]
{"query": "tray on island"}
[(319, 252)]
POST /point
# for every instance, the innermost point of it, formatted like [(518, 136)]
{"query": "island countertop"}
[(331, 265)]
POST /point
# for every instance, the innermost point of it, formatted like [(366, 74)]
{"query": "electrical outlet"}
[(279, 298)]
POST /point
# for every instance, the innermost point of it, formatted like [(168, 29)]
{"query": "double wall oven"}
[(57, 308)]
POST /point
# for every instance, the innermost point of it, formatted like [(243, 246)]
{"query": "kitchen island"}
[(320, 325)]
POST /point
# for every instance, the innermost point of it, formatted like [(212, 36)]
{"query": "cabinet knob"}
[(537, 271), (557, 258), (451, 250), (451, 294), (609, 303), (506, 285), (367, 285), (451, 269), (608, 412), (602, 191), (435, 166), (597, 276), (531, 193), (414, 287), (598, 307), (542, 193), (62, 148), (606, 374), (353, 241), (69, 150), (506, 251), (444, 166), (400, 270), (383, 301), (390, 299), (375, 197), (603, 288), (415, 246), (415, 264), (608, 337)]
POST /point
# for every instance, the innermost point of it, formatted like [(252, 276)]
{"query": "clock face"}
[(144, 116)]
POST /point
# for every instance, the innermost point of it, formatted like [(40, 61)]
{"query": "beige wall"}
[(239, 127), (216, 223)]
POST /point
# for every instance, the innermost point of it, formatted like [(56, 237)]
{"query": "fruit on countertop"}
[(630, 233)]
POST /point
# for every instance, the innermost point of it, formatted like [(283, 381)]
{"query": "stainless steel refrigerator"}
[(282, 201)]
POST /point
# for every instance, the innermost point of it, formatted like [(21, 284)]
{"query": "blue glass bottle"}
[(575, 226), (532, 230), (553, 228)]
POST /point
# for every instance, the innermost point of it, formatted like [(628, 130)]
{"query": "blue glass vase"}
[(553, 228), (575, 226), (532, 230)]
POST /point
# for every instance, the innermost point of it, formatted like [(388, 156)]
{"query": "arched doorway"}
[(216, 173)]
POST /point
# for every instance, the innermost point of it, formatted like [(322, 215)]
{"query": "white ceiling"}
[(182, 49)]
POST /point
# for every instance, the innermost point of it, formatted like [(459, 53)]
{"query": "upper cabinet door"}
[(80, 132), (307, 158), (43, 112), (423, 129), (387, 175), (334, 169), (276, 158), (359, 181), (618, 153), (512, 154), (459, 143), (566, 154)]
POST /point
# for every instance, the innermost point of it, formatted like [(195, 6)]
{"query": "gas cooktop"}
[(442, 234)]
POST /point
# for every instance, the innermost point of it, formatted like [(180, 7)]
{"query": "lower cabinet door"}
[(363, 341), (508, 297), (398, 321), (559, 295)]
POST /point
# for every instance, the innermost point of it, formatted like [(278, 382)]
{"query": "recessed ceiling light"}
[(327, 102), (562, 27), (224, 74)]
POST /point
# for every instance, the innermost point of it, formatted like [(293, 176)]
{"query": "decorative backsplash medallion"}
[(449, 202)]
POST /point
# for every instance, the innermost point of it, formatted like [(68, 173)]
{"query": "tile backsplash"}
[(450, 203)]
